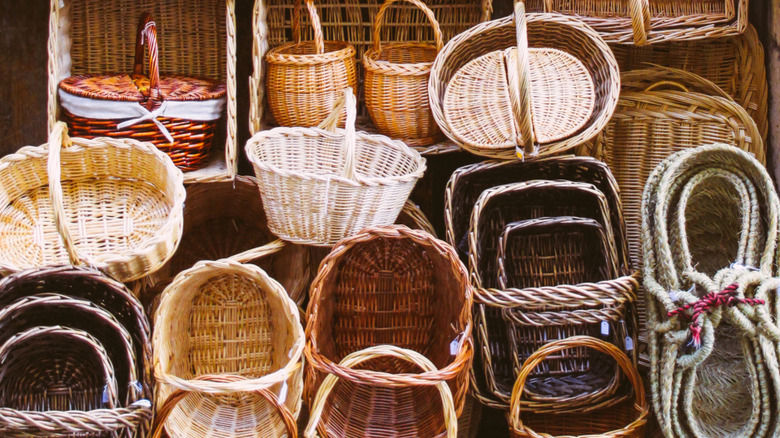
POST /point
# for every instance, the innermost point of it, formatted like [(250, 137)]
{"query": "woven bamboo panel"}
[(197, 39)]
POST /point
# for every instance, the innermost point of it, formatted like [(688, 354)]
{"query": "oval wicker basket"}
[(396, 83), (305, 79), (346, 181), (178, 114), (529, 111), (113, 204), (388, 286), (626, 420), (254, 387)]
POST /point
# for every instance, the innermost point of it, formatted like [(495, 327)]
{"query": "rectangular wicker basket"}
[(92, 35)]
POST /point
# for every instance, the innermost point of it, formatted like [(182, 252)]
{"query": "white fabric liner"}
[(134, 112)]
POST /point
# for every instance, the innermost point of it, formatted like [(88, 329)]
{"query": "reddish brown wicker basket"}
[(178, 114), (388, 287)]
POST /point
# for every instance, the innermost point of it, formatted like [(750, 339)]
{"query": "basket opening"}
[(405, 53), (307, 48), (595, 423)]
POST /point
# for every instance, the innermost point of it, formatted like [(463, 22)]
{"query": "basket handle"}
[(575, 341), (672, 84), (353, 359), (57, 138), (147, 35), (170, 403), (520, 94), (319, 39), (380, 16), (57, 423), (640, 18), (348, 101)]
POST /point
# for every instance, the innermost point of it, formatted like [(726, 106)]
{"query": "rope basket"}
[(252, 388), (524, 85), (710, 230), (389, 319), (396, 84), (178, 114), (628, 419), (305, 79), (347, 181), (113, 204)]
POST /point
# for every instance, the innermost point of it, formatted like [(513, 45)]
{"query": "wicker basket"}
[(178, 114), (60, 382), (735, 64), (710, 238), (254, 387), (642, 22), (114, 204), (305, 79), (530, 111), (626, 420), (87, 36), (396, 84), (385, 289), (346, 180)]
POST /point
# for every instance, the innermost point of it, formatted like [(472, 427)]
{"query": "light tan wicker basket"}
[(319, 186), (254, 386), (91, 35), (113, 204)]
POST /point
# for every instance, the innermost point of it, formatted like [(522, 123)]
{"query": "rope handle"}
[(437, 35), (57, 139), (170, 403), (319, 39), (539, 355), (353, 359), (147, 35), (348, 101), (672, 84), (520, 87), (640, 18)]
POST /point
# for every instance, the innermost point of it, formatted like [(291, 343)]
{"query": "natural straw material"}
[(643, 22), (254, 387), (396, 85), (626, 420), (535, 113), (710, 239), (87, 36), (382, 288), (113, 204), (305, 79), (321, 185)]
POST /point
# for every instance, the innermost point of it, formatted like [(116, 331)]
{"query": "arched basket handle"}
[(58, 138), (671, 84), (380, 16), (319, 38), (147, 36), (348, 101)]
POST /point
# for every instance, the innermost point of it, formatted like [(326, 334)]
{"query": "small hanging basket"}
[(305, 79), (178, 114), (321, 185), (396, 84)]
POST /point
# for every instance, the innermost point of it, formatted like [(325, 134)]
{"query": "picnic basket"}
[(178, 114), (88, 36), (625, 420), (305, 79), (347, 181), (396, 82), (529, 109), (113, 204), (252, 388), (382, 298)]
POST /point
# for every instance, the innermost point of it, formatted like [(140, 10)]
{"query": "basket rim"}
[(216, 91), (257, 141), (372, 60), (278, 55)]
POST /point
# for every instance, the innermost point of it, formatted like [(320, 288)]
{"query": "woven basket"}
[(735, 64), (385, 289), (60, 382), (347, 181), (254, 387), (531, 110), (396, 84), (305, 79), (642, 22), (710, 238), (88, 36), (178, 114), (113, 204), (626, 420)]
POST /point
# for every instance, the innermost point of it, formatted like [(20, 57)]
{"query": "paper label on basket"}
[(629, 343), (105, 395), (143, 403), (283, 392), (604, 328)]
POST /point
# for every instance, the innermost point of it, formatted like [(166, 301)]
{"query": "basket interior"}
[(595, 423), (309, 48)]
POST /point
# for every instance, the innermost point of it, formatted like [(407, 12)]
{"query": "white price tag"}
[(629, 343), (604, 328)]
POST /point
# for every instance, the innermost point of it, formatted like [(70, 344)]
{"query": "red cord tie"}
[(707, 304)]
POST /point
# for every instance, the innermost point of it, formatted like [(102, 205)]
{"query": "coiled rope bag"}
[(710, 234)]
